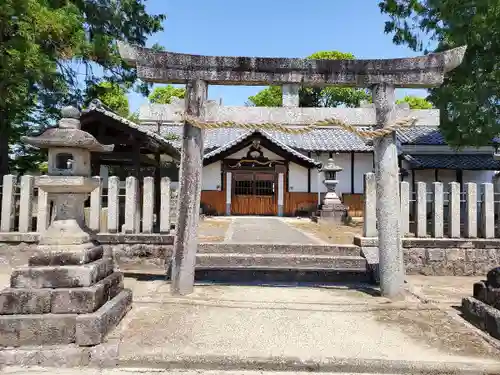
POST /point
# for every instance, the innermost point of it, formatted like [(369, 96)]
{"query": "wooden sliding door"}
[(254, 193)]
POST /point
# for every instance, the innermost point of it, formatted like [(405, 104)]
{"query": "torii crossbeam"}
[(381, 76)]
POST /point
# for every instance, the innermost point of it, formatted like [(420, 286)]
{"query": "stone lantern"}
[(68, 182), (69, 292), (332, 206)]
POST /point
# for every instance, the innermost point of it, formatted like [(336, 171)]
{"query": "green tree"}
[(45, 45), (164, 94), (313, 96), (469, 98), (111, 95), (415, 102)]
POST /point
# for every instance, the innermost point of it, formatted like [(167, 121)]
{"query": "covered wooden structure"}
[(137, 151)]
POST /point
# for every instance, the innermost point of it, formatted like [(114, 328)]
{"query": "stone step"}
[(61, 276), (206, 261), (60, 300), (253, 248), (55, 329)]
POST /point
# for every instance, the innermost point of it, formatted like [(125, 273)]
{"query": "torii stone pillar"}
[(186, 239), (382, 76), (391, 265)]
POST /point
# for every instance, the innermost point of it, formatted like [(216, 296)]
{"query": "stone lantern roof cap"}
[(67, 134), (331, 166)]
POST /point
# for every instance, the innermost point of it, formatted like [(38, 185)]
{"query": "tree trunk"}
[(4, 151)]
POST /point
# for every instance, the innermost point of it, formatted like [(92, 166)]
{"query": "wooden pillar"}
[(229, 180), (186, 239)]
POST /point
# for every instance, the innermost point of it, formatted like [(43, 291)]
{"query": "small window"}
[(243, 187), (264, 188), (64, 161)]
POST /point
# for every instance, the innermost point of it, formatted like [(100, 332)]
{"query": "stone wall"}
[(144, 253), (440, 256)]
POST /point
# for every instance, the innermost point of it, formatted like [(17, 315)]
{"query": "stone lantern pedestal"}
[(332, 208), (69, 291)]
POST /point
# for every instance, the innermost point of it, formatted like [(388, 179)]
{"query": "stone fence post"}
[(488, 211), (131, 205), (148, 200), (26, 203), (405, 208), (438, 210), (370, 205), (113, 205), (8, 200), (471, 210), (95, 207), (454, 210), (165, 205)]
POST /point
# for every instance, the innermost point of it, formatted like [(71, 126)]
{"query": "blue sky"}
[(279, 28)]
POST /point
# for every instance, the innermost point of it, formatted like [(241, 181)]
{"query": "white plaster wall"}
[(297, 178), (478, 176), (344, 176), (446, 176), (211, 176), (425, 175), (243, 152), (363, 163)]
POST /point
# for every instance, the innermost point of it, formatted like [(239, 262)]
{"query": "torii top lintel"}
[(171, 67)]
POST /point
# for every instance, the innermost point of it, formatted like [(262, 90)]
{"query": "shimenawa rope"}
[(272, 126)]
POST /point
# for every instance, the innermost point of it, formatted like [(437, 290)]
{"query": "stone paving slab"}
[(273, 230)]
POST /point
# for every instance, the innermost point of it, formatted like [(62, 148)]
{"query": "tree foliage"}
[(415, 102), (313, 96), (54, 53), (269, 97), (112, 96), (469, 98), (164, 94)]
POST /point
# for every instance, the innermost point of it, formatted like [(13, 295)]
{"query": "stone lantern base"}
[(62, 297), (332, 208)]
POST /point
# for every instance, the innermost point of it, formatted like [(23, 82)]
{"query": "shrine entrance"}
[(254, 193), (381, 76)]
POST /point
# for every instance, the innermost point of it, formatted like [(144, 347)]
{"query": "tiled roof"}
[(453, 161), (267, 135), (328, 139), (97, 106), (331, 139), (421, 135)]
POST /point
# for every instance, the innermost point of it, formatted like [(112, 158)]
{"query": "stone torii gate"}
[(381, 76)]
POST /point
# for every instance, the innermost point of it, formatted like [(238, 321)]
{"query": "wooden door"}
[(254, 193)]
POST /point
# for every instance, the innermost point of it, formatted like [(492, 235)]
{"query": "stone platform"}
[(62, 298)]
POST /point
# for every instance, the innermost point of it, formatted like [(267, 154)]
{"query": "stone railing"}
[(122, 210), (446, 229), (438, 211)]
